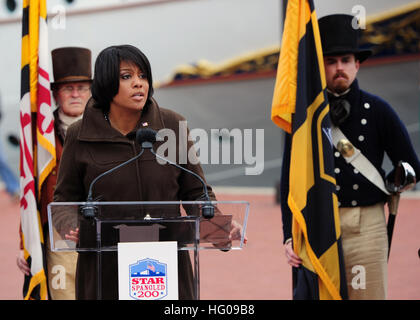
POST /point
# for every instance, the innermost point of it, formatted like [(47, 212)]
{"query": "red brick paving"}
[(404, 261), (259, 271), (11, 279)]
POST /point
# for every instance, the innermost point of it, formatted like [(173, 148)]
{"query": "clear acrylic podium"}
[(145, 221)]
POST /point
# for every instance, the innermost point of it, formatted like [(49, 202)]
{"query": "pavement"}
[(257, 272)]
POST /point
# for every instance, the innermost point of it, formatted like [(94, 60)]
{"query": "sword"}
[(401, 179), (393, 202)]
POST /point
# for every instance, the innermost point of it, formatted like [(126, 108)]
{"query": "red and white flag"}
[(37, 143)]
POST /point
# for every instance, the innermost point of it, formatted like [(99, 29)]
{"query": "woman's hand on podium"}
[(73, 236), (234, 234), (236, 231)]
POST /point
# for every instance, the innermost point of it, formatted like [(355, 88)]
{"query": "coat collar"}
[(353, 96), (95, 128), (57, 126)]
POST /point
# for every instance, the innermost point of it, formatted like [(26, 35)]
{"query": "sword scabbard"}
[(393, 203)]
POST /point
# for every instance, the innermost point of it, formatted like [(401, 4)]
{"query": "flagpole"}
[(284, 7)]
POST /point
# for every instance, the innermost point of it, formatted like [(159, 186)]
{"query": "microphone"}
[(146, 137), (89, 211)]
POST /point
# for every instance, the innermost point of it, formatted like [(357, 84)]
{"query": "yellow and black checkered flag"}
[(37, 143), (301, 108)]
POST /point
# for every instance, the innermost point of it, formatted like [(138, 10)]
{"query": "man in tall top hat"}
[(72, 69), (360, 122)]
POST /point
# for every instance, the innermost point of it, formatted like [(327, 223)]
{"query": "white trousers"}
[(365, 249)]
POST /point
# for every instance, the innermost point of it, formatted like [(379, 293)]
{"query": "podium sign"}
[(148, 270)]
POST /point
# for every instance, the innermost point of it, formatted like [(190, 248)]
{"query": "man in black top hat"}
[(366, 123)]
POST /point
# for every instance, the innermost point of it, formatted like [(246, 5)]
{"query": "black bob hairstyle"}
[(106, 80)]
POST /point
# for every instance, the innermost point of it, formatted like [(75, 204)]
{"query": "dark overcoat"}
[(93, 146)]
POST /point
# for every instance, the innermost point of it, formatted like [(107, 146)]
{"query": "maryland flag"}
[(300, 107), (37, 144)]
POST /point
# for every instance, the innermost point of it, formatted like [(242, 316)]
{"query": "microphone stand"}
[(89, 211), (207, 210)]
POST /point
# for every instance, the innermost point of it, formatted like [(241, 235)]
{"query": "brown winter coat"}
[(91, 147)]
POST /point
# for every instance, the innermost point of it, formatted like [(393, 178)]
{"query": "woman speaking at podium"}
[(121, 104)]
